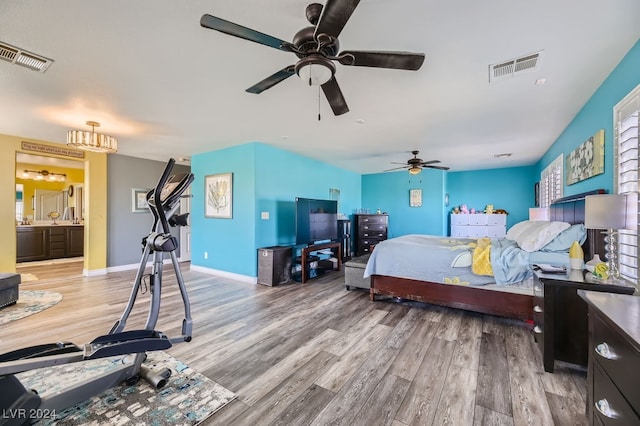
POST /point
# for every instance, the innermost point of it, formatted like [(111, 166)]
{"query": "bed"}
[(514, 300)]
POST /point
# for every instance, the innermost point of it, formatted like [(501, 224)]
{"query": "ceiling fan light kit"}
[(316, 47)]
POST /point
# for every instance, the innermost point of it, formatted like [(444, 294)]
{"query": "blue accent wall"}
[(389, 192), (597, 114), (265, 179), (230, 243), (281, 177), (511, 189)]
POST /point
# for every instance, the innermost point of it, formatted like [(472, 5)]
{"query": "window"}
[(551, 185), (625, 125)]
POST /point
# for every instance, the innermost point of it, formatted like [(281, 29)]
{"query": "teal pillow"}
[(563, 240)]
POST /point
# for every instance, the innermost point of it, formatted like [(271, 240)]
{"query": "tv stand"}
[(336, 247)]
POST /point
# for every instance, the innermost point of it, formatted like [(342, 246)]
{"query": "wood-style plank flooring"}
[(316, 354)]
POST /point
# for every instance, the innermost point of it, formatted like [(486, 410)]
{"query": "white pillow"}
[(532, 235)]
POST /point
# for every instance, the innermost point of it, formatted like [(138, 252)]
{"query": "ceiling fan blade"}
[(334, 97), (396, 168), (424, 163), (395, 162), (395, 60), (218, 24), (335, 15), (436, 167), (272, 80)]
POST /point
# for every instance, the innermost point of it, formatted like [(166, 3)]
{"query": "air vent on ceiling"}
[(23, 58), (513, 67)]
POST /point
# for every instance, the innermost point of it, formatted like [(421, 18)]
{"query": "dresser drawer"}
[(380, 234), (459, 219), (373, 219), (459, 231), (618, 359), (497, 219), (370, 227), (610, 407)]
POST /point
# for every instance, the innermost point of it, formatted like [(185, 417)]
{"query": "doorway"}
[(40, 197)]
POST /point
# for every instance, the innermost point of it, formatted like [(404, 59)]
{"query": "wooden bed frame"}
[(477, 299)]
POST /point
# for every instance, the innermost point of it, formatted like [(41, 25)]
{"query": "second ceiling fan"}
[(415, 164), (317, 47)]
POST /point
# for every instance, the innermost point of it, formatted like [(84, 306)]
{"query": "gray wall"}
[(126, 228)]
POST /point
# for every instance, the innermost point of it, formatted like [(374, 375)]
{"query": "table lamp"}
[(609, 212)]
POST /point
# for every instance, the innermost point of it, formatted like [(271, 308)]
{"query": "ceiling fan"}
[(317, 47), (415, 164)]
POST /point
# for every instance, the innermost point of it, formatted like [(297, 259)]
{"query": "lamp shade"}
[(539, 213), (605, 211)]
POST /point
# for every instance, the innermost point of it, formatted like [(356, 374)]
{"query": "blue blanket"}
[(429, 258)]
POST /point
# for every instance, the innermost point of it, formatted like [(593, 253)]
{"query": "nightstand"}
[(560, 315)]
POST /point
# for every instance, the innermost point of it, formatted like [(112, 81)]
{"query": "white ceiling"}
[(166, 87)]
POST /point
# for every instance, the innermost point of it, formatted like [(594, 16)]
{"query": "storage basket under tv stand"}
[(336, 247)]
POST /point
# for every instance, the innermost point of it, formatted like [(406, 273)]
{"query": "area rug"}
[(29, 302), (187, 399)]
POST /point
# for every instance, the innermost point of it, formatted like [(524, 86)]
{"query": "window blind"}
[(551, 185), (626, 124)]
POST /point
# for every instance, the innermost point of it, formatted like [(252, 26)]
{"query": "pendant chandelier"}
[(92, 141)]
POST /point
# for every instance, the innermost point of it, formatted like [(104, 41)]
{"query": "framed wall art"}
[(139, 200), (415, 198), (218, 193), (587, 160)]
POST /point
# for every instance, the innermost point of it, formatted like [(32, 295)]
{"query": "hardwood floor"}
[(316, 354)]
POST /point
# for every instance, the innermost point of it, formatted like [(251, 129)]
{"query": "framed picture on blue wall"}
[(415, 198), (218, 193)]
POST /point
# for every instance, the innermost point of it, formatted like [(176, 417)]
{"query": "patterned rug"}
[(29, 302), (187, 399)]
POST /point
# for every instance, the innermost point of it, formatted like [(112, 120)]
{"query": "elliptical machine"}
[(20, 406)]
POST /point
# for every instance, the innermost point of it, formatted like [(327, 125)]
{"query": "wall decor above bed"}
[(587, 160)]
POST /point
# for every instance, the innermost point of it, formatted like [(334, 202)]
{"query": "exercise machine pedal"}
[(40, 351)]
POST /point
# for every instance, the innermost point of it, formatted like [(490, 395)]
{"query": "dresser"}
[(560, 315), (614, 358), (370, 229), (478, 225)]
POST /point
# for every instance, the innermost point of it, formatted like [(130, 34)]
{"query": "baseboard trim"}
[(94, 272), (120, 268), (225, 274)]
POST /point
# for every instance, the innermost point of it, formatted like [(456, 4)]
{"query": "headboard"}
[(571, 209)]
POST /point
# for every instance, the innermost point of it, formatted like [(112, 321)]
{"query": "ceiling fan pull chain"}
[(318, 103)]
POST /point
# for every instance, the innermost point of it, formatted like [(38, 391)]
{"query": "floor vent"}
[(513, 67), (23, 58)]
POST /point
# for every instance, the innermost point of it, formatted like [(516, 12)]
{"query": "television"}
[(316, 220)]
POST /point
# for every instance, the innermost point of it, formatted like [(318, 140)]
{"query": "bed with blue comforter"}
[(484, 275)]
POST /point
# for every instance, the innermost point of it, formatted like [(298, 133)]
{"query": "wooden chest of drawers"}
[(560, 316), (370, 230), (614, 357)]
